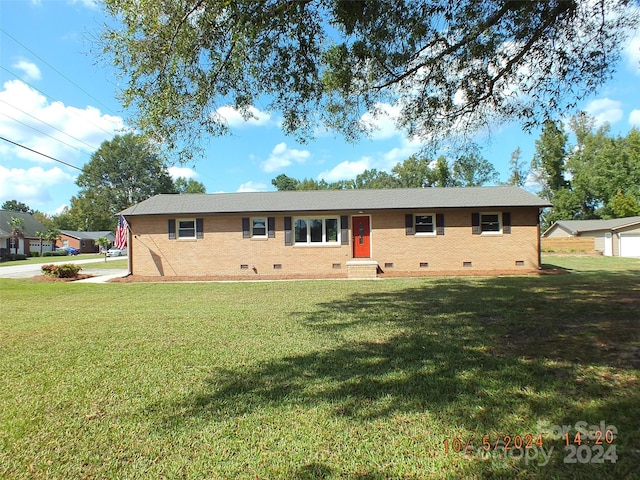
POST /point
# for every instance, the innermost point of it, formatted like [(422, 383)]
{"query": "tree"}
[(103, 242), (283, 182), (414, 172), (183, 185), (442, 173), (40, 234), (548, 164), (52, 235), (17, 228), (123, 171), (16, 206), (471, 170), (518, 171), (449, 65)]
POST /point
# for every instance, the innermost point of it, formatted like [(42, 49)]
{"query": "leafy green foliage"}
[(124, 170), (184, 185), (415, 172), (16, 206), (66, 270), (451, 66), (334, 380), (604, 171)]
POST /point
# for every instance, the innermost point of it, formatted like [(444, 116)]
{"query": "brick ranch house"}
[(334, 233)]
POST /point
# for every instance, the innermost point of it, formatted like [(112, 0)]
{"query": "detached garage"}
[(618, 237)]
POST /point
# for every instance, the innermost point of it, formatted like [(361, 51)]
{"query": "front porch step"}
[(363, 269)]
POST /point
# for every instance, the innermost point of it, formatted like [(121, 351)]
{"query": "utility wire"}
[(56, 70), (40, 153), (54, 100), (43, 133), (49, 125)]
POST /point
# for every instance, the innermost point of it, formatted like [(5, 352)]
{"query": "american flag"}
[(122, 232)]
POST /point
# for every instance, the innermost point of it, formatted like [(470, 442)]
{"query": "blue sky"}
[(57, 98)]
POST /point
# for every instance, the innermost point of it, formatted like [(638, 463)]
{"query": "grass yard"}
[(402, 378), (60, 259)]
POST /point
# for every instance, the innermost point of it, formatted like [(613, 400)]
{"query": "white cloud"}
[(346, 170), (31, 185), (634, 118), (252, 187), (182, 172), (84, 129), (234, 117), (30, 70), (632, 53), (283, 156), (381, 121), (605, 110)]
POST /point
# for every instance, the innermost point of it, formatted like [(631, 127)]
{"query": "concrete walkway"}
[(99, 274)]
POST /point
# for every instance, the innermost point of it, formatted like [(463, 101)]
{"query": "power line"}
[(55, 70), (40, 153), (43, 133), (49, 125), (54, 100)]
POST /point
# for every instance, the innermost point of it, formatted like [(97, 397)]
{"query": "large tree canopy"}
[(123, 171), (449, 66)]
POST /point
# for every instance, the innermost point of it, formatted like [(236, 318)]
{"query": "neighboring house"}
[(615, 237), (84, 241), (336, 232), (29, 241)]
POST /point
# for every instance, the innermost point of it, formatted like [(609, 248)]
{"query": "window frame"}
[(434, 225), (324, 241), (178, 229), (490, 232), (252, 227)]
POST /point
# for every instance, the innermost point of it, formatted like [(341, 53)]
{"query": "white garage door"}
[(629, 245)]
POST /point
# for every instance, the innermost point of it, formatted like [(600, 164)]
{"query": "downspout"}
[(539, 241)]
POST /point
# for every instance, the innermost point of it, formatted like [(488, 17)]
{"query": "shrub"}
[(34, 253), (17, 256), (66, 270), (59, 253)]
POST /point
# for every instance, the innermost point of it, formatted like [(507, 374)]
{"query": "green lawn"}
[(43, 260), (111, 264), (322, 379)]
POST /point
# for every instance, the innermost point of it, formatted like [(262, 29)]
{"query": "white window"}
[(491, 223), (425, 224), (186, 228), (316, 231), (259, 227)]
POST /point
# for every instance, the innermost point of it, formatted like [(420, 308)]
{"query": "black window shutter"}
[(475, 223), (408, 223), (245, 227), (506, 222), (344, 230), (172, 229), (439, 223), (288, 240), (271, 227), (199, 228)]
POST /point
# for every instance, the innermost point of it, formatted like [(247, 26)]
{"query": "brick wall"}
[(223, 251)]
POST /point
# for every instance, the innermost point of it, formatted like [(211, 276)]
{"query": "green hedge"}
[(59, 253)]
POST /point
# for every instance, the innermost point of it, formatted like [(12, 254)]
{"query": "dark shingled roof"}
[(31, 225), (337, 200), (88, 235)]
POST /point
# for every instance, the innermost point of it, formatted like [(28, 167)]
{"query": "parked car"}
[(69, 250), (116, 252)]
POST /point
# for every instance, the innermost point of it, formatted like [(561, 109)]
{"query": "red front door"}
[(361, 231)]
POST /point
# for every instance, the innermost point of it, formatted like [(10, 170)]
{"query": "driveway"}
[(31, 270)]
